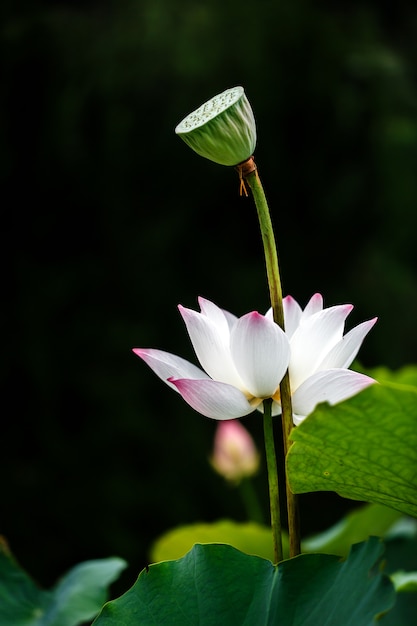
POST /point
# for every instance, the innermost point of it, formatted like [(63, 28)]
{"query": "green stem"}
[(275, 291), (271, 463), (292, 500), (270, 249)]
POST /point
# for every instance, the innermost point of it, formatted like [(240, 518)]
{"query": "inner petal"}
[(217, 316), (292, 315), (211, 346), (313, 339), (260, 351)]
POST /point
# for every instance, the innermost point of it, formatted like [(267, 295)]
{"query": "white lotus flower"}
[(244, 361), (321, 354)]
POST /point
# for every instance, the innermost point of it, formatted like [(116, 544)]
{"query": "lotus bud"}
[(235, 455), (223, 129)]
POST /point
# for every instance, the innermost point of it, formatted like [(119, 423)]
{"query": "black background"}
[(109, 221)]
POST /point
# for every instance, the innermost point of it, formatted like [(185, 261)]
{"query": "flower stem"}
[(292, 500), (275, 291), (271, 463)]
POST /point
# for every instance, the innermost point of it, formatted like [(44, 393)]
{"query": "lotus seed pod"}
[(223, 129)]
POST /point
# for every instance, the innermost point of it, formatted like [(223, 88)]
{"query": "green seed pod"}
[(223, 129)]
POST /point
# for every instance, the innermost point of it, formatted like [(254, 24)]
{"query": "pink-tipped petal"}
[(261, 352), (314, 305), (217, 316), (330, 386), (166, 365), (292, 315), (213, 399), (211, 347), (343, 353), (313, 339)]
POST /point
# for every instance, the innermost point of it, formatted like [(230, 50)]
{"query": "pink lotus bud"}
[(235, 455)]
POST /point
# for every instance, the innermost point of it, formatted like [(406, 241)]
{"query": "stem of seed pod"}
[(249, 172)]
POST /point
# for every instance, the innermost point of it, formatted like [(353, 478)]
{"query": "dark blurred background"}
[(109, 221)]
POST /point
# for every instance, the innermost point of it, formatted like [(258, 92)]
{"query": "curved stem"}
[(271, 463), (270, 249), (275, 291)]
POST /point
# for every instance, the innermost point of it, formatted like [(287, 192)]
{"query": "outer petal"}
[(166, 365), (213, 399), (211, 347), (261, 352), (313, 339), (330, 386), (343, 353)]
